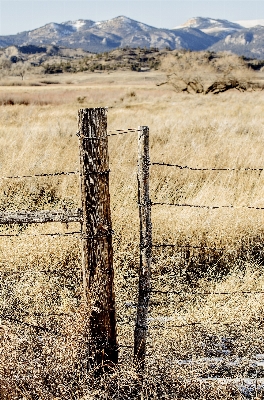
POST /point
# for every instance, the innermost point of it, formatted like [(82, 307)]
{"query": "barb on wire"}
[(186, 293), (114, 132), (158, 245), (205, 207), (39, 175), (39, 234), (110, 133), (206, 169), (189, 205)]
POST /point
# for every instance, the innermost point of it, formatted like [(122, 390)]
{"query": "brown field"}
[(41, 276)]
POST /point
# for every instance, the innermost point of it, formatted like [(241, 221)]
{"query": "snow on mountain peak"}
[(203, 24), (251, 23), (218, 28), (116, 21), (77, 24)]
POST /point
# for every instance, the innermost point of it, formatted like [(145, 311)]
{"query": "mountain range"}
[(243, 38)]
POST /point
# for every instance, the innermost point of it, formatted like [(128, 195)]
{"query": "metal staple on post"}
[(145, 247), (98, 272)]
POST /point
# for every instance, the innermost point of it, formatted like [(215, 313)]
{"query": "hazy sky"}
[(20, 15)]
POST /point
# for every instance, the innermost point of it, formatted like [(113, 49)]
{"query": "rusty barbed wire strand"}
[(117, 132), (122, 131), (186, 293), (205, 207), (55, 174), (39, 234), (160, 245), (206, 169), (40, 175)]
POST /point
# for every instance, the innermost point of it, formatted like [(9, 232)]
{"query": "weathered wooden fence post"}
[(145, 247), (98, 273)]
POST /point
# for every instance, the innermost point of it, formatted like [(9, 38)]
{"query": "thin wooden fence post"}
[(98, 273), (145, 247)]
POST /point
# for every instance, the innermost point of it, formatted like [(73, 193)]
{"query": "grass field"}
[(199, 346)]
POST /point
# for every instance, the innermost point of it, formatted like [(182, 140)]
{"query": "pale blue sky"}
[(20, 15)]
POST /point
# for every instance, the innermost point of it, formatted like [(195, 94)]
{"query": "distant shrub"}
[(48, 82), (12, 101), (52, 69), (207, 72)]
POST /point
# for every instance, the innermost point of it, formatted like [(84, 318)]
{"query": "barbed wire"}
[(110, 133), (205, 207), (186, 293), (56, 234), (41, 175), (206, 169), (160, 245), (55, 174), (122, 131)]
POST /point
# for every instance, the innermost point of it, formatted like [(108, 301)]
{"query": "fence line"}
[(206, 207), (91, 121), (107, 233), (201, 247), (206, 169), (118, 132)]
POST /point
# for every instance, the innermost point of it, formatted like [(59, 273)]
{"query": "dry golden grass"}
[(41, 277)]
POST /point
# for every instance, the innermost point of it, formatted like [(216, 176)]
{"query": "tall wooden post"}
[(145, 247), (98, 273)]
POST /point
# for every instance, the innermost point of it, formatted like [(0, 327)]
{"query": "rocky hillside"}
[(217, 28), (52, 59), (246, 42), (106, 35)]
